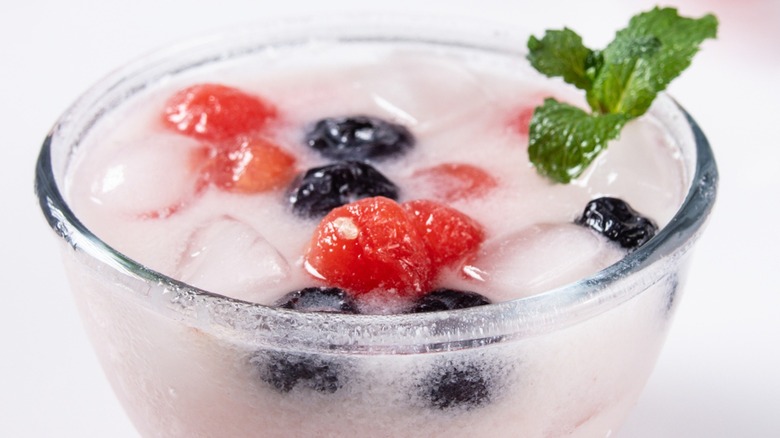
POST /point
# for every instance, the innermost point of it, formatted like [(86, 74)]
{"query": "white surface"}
[(718, 375)]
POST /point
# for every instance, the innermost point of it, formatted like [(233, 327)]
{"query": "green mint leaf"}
[(645, 57), (620, 84), (625, 81), (564, 140), (561, 53)]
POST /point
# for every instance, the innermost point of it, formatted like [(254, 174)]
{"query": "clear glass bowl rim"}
[(258, 324)]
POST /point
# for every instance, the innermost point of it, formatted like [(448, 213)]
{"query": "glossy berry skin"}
[(457, 181), (370, 247), (359, 138), (450, 236), (616, 220), (319, 299), (322, 189), (215, 112), (448, 299), (249, 166)]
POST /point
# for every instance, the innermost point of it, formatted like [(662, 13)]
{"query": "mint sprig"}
[(620, 84)]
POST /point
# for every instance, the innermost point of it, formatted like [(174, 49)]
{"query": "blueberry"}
[(359, 138), (448, 299), (451, 299), (318, 299), (451, 384), (285, 371), (322, 189), (617, 221)]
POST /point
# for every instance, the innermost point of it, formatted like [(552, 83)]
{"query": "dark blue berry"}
[(285, 371), (318, 299), (359, 138), (616, 220), (322, 189), (453, 384), (451, 299), (448, 299)]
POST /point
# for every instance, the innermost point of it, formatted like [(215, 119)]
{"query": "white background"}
[(719, 375)]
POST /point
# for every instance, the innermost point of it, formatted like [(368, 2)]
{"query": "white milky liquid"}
[(459, 108), (176, 380)]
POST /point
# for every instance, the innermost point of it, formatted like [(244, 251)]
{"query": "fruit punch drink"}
[(329, 229)]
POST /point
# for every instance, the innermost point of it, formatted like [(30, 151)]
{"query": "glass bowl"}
[(186, 362)]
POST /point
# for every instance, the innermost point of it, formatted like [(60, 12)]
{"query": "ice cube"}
[(150, 177), (232, 258), (542, 257), (654, 181), (423, 92)]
